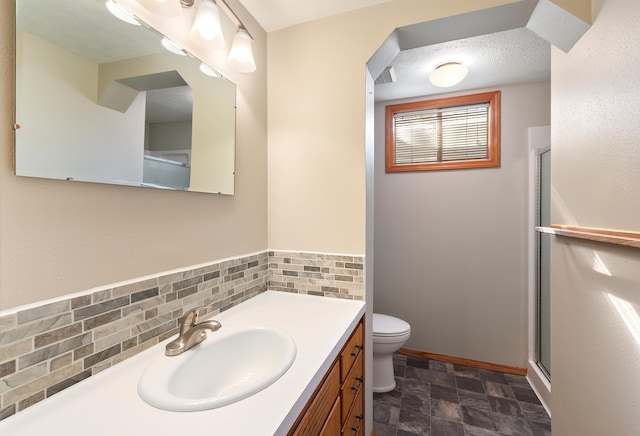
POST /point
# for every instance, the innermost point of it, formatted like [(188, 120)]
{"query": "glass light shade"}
[(241, 54), (172, 47), (206, 69), (206, 27), (165, 8), (448, 74), (121, 13)]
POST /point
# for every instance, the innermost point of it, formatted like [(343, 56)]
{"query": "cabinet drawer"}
[(354, 425), (352, 386), (315, 416), (350, 352), (332, 426)]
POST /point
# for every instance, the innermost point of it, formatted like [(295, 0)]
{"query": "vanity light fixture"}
[(173, 47), (121, 13), (206, 26), (448, 74), (165, 8), (207, 30), (241, 55), (206, 69)]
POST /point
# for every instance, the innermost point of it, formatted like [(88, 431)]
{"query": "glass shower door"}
[(543, 267)]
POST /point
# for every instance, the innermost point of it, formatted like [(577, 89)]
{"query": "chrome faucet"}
[(191, 333)]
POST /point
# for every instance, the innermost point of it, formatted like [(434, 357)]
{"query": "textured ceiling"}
[(498, 58), (169, 105), (502, 58), (104, 37), (87, 28)]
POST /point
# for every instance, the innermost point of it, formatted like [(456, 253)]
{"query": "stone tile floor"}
[(442, 399)]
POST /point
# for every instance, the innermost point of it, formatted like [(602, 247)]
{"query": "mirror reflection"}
[(101, 100)]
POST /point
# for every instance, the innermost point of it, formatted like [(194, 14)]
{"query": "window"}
[(447, 133)]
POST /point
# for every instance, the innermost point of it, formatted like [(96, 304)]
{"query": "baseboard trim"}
[(467, 362)]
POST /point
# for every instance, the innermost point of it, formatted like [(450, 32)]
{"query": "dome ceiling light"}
[(448, 74)]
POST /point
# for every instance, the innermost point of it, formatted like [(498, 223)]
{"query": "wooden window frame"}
[(493, 144)]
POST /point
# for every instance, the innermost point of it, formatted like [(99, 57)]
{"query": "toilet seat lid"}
[(385, 325)]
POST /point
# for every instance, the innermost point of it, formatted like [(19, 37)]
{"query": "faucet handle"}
[(189, 319)]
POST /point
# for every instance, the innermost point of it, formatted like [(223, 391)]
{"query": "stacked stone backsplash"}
[(328, 275), (47, 348)]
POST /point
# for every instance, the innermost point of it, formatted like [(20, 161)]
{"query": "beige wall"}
[(58, 237), (596, 182), (316, 165), (579, 8), (451, 246)]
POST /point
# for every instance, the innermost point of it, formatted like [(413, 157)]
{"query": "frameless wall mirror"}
[(101, 100)]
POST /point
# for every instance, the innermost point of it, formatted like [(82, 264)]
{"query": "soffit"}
[(497, 59), (278, 14)]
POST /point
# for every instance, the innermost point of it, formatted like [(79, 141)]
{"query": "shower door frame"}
[(538, 262), (539, 139)]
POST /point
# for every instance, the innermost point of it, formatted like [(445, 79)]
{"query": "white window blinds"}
[(441, 135)]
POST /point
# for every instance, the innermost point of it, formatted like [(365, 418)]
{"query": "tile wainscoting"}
[(49, 347), (328, 275)]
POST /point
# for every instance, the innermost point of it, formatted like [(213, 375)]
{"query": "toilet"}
[(389, 334)]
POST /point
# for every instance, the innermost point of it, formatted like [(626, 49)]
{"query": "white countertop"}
[(108, 403)]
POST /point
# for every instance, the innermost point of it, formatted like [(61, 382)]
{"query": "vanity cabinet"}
[(337, 405)]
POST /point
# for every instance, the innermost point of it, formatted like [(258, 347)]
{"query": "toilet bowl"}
[(389, 334)]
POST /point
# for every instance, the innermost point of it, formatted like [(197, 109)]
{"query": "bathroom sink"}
[(230, 365)]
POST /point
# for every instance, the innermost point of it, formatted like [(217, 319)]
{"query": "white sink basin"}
[(233, 363)]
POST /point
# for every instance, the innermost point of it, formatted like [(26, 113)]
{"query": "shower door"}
[(543, 340)]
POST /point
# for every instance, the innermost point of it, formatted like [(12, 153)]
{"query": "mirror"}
[(101, 100)]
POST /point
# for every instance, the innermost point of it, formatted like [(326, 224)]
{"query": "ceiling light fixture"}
[(207, 30), (448, 74)]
